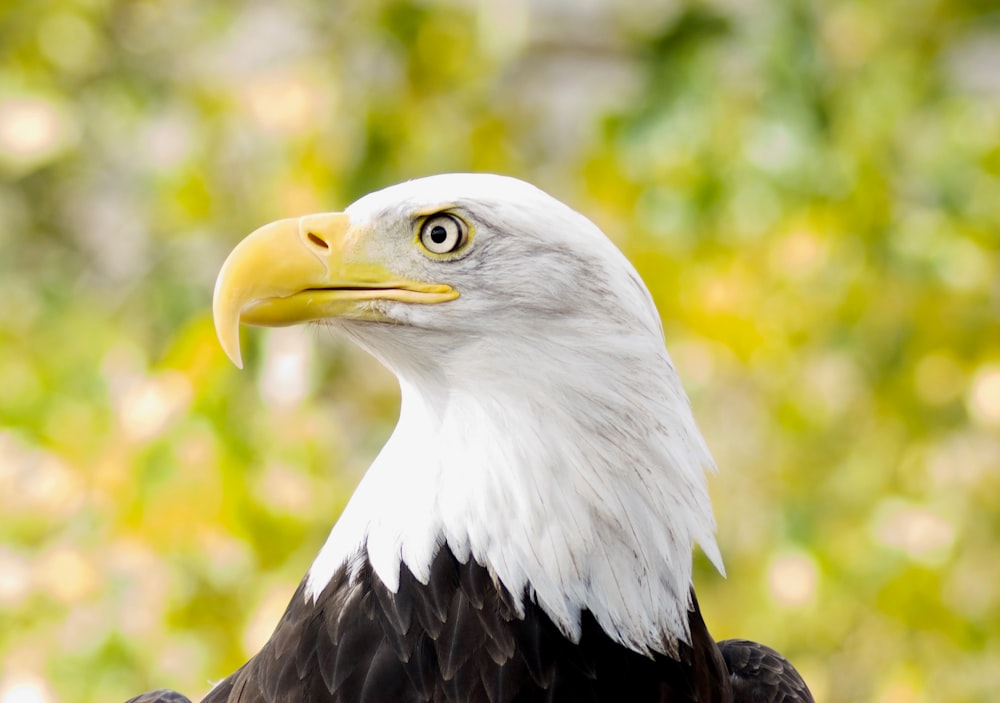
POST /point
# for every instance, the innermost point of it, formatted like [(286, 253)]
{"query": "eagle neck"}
[(578, 490)]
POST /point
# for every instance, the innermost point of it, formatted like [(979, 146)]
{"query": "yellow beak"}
[(309, 268)]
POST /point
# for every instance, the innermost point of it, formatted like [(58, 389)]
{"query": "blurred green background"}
[(810, 189)]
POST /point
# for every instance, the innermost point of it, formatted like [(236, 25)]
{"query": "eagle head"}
[(543, 430)]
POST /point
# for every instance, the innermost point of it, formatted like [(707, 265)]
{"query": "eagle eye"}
[(443, 234)]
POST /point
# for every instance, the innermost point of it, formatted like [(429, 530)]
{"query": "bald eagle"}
[(526, 533)]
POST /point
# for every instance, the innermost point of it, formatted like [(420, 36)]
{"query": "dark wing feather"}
[(461, 637), (759, 674), (161, 695)]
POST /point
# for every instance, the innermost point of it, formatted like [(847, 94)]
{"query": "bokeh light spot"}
[(68, 41), (284, 380), (147, 408), (283, 103), (67, 574), (33, 131), (983, 398), (25, 688), (793, 578), (922, 534)]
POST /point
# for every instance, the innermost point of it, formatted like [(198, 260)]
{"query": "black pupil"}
[(438, 234)]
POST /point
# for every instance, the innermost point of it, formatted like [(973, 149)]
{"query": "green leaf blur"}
[(810, 189)]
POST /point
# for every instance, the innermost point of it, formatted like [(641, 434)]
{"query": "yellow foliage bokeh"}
[(810, 189)]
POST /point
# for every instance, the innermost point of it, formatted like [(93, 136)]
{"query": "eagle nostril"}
[(317, 240)]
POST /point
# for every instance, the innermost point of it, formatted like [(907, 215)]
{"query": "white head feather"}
[(543, 429)]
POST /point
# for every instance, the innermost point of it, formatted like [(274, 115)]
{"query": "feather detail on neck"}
[(579, 488)]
